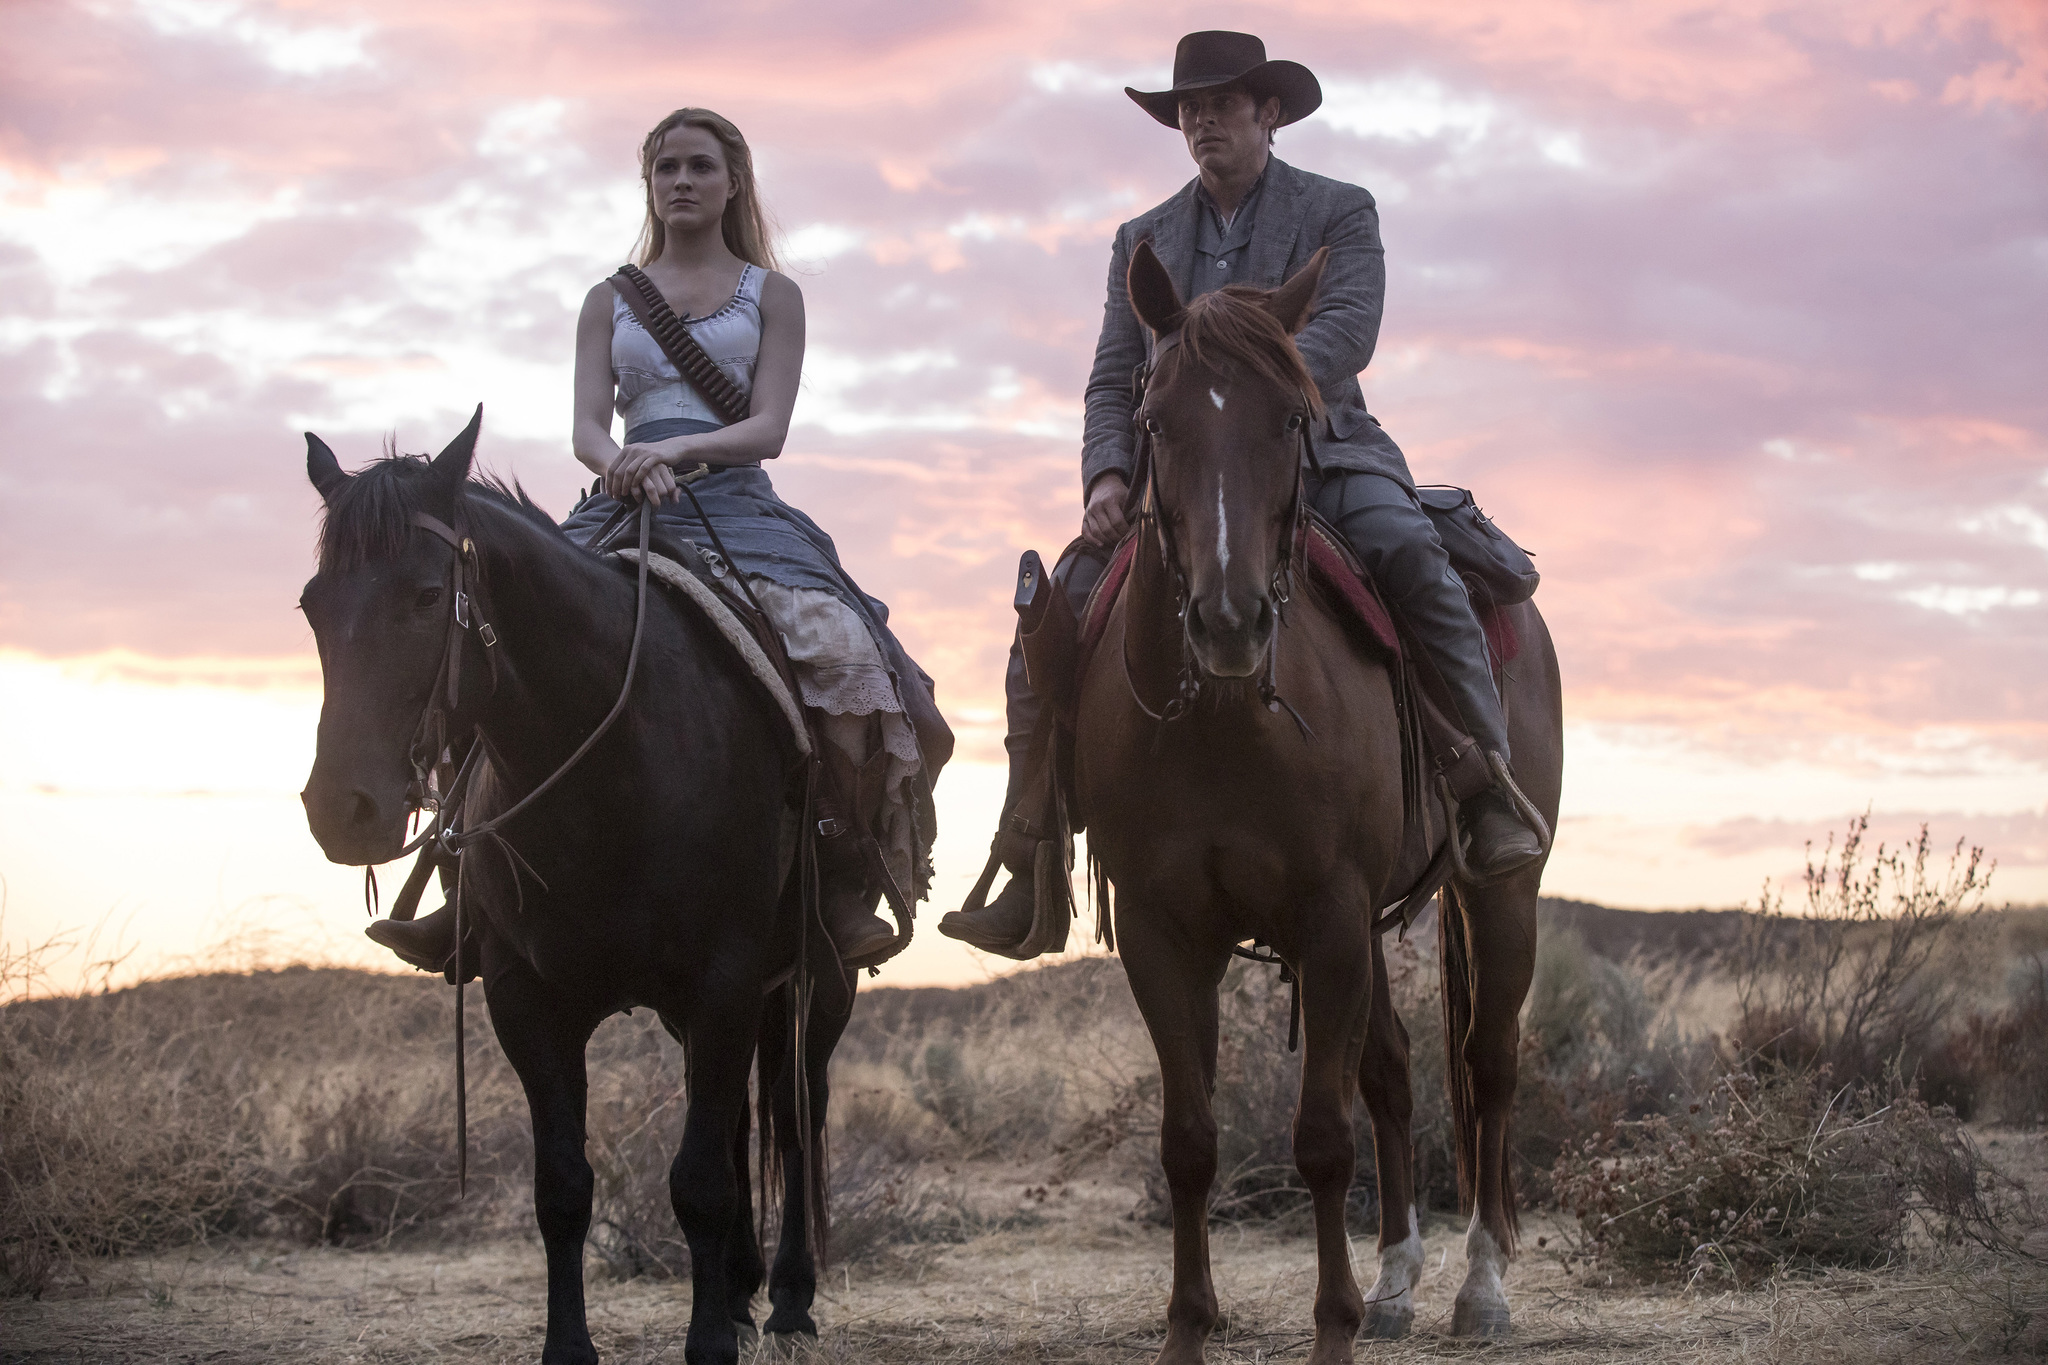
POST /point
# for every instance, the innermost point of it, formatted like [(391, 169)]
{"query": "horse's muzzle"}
[(1230, 642), (352, 826)]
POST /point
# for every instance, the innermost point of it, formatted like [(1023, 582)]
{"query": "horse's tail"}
[(767, 1063), (1456, 966), (1454, 954), (818, 1190), (783, 1076)]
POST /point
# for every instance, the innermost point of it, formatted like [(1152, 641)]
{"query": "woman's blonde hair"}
[(745, 225)]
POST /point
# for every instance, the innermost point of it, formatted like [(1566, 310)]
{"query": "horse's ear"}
[(1290, 302), (322, 468), (451, 466), (1153, 297)]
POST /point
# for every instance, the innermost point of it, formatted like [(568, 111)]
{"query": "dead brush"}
[(1773, 1169), (1997, 1062), (111, 1141), (309, 1103), (1868, 972), (884, 1210), (374, 1159)]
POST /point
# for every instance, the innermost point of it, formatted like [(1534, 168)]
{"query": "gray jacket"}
[(1298, 212)]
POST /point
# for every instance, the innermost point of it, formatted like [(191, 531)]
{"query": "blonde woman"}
[(706, 246)]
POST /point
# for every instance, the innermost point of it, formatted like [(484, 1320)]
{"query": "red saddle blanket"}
[(1333, 569)]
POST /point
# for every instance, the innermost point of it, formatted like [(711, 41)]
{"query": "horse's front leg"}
[(1500, 927), (744, 1268), (544, 1040), (1175, 984), (1384, 1080), (702, 1181), (1335, 970)]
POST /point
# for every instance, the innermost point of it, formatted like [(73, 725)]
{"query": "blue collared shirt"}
[(1223, 251)]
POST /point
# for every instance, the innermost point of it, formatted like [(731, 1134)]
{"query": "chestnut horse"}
[(1238, 761)]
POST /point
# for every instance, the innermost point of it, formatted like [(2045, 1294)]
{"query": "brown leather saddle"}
[(1436, 753)]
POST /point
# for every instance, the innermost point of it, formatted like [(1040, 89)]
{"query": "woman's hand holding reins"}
[(643, 470)]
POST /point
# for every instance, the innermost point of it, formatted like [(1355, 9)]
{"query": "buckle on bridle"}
[(831, 827), (462, 609)]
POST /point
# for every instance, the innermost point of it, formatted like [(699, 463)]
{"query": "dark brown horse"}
[(1233, 820), (657, 872)]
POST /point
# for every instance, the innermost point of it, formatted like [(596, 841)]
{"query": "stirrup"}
[(1525, 811), (1052, 898)]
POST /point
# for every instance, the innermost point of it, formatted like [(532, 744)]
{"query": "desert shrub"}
[(1258, 1085), (1774, 1168), (1017, 1067), (631, 1141), (108, 1145), (1869, 971), (873, 1110), (1996, 1064), (311, 1104), (375, 1159), (883, 1209), (1594, 1050)]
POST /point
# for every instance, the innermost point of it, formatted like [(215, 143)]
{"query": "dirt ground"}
[(1080, 1283)]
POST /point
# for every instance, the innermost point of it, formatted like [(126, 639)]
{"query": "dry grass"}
[(1083, 1286), (260, 1165)]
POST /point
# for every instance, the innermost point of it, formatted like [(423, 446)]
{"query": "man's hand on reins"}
[(1104, 522)]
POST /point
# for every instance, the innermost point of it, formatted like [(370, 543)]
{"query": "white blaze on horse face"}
[(1222, 523), (1217, 399)]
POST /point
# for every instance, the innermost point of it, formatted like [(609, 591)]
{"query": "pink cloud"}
[(1742, 340)]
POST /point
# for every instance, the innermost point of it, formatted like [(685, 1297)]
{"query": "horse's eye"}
[(1294, 422), (427, 598), (1151, 424)]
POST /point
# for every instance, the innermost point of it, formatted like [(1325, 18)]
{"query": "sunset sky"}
[(1736, 314)]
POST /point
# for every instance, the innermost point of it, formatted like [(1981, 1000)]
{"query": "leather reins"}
[(441, 839)]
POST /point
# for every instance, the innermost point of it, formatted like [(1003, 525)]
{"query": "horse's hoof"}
[(1480, 1320), (788, 1345), (1387, 1321)]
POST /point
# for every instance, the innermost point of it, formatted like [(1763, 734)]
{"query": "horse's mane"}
[(370, 516), (1231, 327)]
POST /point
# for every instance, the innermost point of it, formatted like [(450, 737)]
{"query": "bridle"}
[(1192, 677), (441, 840), (467, 611), (428, 747)]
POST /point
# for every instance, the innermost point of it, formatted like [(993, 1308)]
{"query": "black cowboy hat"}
[(1217, 57)]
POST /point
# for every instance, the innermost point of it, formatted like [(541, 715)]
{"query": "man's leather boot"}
[(1498, 843), (1002, 924), (426, 942)]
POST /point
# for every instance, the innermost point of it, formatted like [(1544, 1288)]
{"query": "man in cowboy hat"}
[(1250, 218)]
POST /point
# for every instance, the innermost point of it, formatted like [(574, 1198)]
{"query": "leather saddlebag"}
[(1478, 548)]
